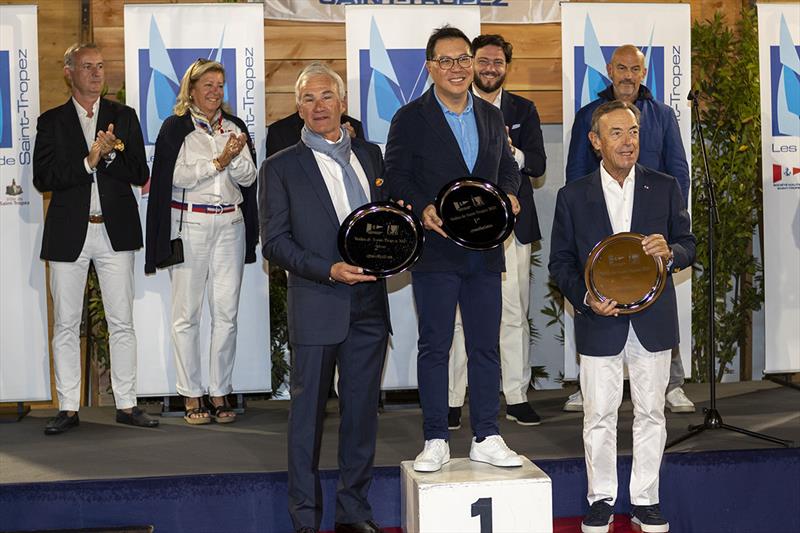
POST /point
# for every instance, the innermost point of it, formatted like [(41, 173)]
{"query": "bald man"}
[(660, 149)]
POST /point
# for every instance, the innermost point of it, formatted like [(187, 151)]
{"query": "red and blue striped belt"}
[(209, 209)]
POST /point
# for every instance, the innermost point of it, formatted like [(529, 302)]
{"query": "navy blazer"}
[(299, 230), (525, 130), (422, 156), (581, 221), (58, 168)]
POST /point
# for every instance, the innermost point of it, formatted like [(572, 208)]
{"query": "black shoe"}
[(649, 519), (136, 417), (367, 526), (599, 518), (523, 414), (60, 423), (454, 418)]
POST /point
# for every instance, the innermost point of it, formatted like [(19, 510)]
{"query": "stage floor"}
[(103, 449)]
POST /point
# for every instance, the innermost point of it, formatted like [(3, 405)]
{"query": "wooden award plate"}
[(618, 269)]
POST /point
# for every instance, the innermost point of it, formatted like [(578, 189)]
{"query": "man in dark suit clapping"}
[(89, 152), (337, 314), (621, 196)]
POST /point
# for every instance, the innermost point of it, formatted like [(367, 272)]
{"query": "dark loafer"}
[(136, 417), (367, 526), (60, 423)]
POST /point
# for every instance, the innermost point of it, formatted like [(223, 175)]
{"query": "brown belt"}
[(96, 219)]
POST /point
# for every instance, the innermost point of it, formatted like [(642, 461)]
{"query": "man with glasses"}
[(661, 149), (524, 134), (444, 135)]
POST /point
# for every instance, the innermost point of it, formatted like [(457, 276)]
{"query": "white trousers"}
[(213, 248), (601, 383), (68, 284), (514, 332)]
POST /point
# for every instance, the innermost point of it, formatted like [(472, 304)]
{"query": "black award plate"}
[(475, 213), (382, 238)]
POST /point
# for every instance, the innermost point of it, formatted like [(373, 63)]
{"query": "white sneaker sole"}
[(521, 423), (572, 408), (598, 529), (511, 462), (681, 408), (430, 467), (645, 528), (453, 428)]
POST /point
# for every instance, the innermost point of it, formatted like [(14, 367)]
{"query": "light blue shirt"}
[(465, 130)]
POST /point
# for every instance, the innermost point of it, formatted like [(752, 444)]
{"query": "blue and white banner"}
[(24, 355), (161, 41), (779, 61), (385, 71), (589, 35), (491, 11)]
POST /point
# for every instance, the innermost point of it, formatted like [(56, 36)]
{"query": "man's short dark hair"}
[(445, 32), (492, 39), (609, 107)]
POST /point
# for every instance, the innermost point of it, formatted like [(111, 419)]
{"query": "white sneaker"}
[(574, 403), (493, 450), (435, 453), (678, 402)]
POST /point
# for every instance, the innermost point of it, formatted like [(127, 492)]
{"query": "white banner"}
[(491, 11), (160, 43), (24, 359), (589, 35), (386, 70), (779, 60)]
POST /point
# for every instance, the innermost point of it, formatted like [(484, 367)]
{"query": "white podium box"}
[(469, 497)]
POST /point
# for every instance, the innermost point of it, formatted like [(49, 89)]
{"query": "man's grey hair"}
[(318, 69), (610, 107), (72, 51)]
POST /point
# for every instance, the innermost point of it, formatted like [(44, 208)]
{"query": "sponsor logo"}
[(785, 177), (5, 100), (784, 62), (590, 62), (160, 72), (389, 79)]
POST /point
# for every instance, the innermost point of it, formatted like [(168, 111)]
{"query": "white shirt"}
[(333, 176), (195, 170), (519, 155), (89, 127), (619, 200)]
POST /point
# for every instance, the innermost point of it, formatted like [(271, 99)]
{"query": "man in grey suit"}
[(337, 314)]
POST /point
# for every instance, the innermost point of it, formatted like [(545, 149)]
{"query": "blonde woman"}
[(202, 190)]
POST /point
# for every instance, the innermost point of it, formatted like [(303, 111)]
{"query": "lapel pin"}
[(378, 182), (119, 145)]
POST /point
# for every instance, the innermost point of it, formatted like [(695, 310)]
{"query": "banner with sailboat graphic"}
[(779, 65), (589, 35), (161, 41)]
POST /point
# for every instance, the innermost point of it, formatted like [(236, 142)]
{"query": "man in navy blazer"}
[(621, 196), (444, 135), (660, 148), (492, 56), (337, 314)]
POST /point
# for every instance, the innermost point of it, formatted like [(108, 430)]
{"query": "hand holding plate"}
[(515, 207), (432, 221), (656, 246), (349, 274), (605, 308)]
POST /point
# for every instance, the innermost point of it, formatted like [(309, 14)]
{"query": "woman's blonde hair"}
[(190, 77)]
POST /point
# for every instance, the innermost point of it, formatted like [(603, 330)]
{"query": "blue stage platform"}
[(704, 492)]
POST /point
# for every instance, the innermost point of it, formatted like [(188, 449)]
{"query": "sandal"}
[(196, 416), (223, 413)]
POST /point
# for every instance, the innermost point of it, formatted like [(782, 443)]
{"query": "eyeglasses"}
[(498, 63), (446, 63)]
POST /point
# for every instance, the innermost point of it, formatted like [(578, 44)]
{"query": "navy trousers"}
[(360, 360), (477, 292)]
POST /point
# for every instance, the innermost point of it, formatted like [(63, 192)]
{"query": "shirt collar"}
[(446, 111), (82, 112), (607, 179), (497, 99)]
